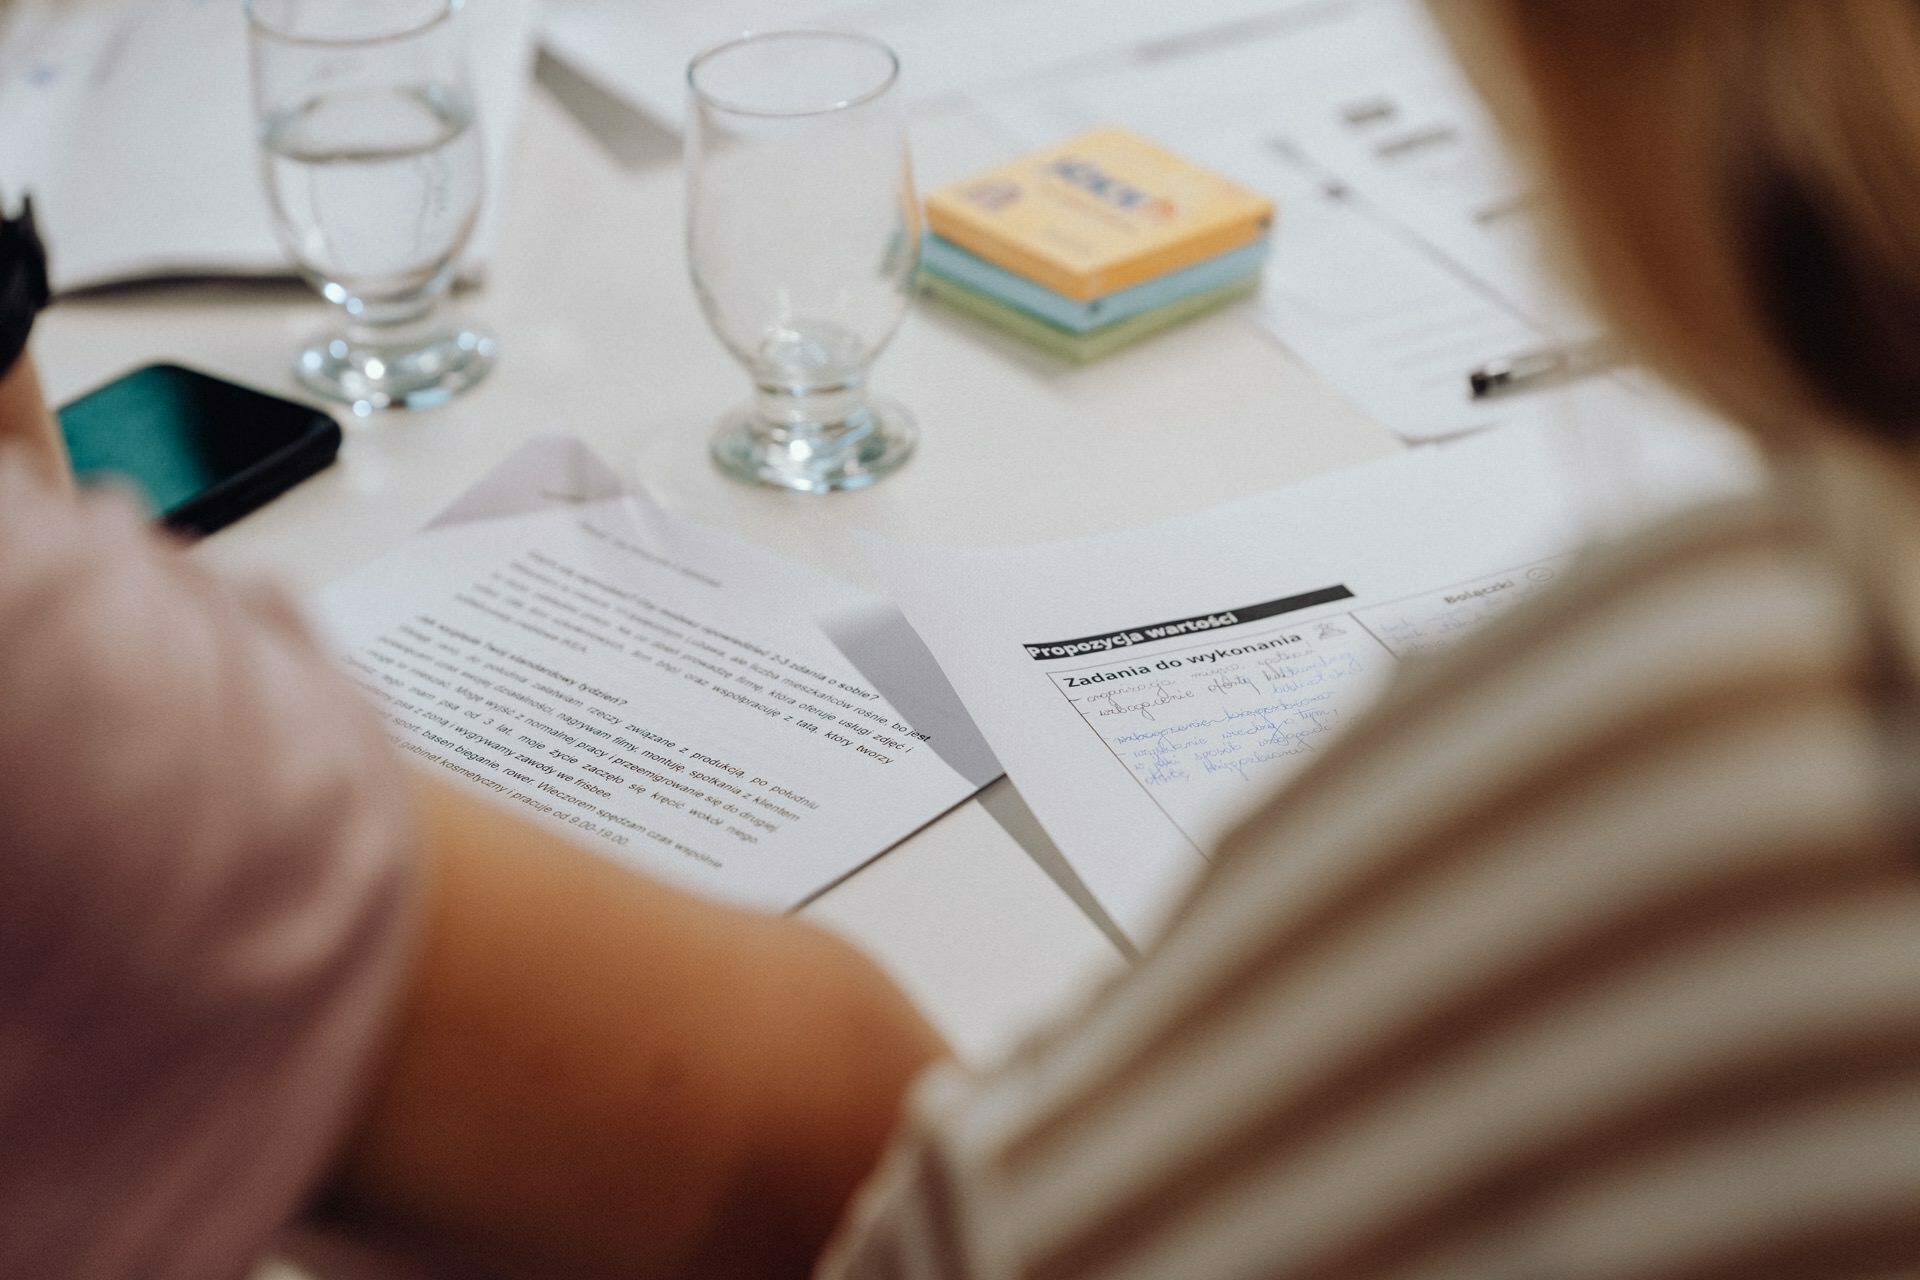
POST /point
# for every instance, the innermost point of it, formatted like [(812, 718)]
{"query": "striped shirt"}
[(1594, 952)]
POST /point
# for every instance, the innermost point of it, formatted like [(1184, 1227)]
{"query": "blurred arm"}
[(598, 1075)]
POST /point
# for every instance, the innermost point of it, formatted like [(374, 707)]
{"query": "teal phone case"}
[(202, 451)]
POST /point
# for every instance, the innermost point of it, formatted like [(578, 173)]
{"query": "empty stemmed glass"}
[(372, 161), (803, 232)]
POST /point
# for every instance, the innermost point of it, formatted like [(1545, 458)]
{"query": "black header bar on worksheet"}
[(1052, 650)]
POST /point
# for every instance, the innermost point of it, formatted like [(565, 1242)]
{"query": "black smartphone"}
[(201, 450)]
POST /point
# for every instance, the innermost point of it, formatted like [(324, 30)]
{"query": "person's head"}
[(1738, 186)]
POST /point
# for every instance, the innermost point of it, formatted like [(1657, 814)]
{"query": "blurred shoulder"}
[(1693, 696), (160, 718), (207, 867)]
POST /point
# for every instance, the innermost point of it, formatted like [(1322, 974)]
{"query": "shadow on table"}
[(1009, 808), (627, 136), (883, 646)]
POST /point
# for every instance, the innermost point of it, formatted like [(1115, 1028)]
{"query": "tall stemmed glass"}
[(372, 161), (803, 231)]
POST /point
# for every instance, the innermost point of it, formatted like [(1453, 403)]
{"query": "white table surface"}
[(601, 337)]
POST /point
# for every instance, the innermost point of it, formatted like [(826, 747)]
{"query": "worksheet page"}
[(660, 691), (1204, 710), (1146, 689)]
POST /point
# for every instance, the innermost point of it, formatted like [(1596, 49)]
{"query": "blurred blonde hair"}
[(1737, 183)]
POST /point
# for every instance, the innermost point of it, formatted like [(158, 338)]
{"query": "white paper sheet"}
[(1405, 253), (656, 689), (1145, 689), (639, 49), (131, 123)]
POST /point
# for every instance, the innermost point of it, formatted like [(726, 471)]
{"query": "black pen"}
[(1538, 368)]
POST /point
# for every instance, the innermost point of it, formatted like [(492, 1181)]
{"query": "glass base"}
[(873, 442), (414, 375)]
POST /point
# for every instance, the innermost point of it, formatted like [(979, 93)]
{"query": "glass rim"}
[(786, 33), (444, 10)]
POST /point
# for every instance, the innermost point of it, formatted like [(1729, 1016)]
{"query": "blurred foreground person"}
[(250, 965), (1596, 951)]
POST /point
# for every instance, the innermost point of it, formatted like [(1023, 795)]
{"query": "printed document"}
[(1145, 689), (657, 690), (638, 50), (1405, 252)]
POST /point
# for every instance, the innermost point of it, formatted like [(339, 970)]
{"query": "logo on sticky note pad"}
[(1121, 194), (994, 194), (1098, 213)]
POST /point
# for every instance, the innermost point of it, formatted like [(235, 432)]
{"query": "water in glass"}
[(370, 153), (377, 190)]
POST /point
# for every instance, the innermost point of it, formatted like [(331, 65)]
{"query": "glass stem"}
[(823, 416), (390, 325)]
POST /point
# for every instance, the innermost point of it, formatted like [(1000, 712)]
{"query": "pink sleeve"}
[(207, 899)]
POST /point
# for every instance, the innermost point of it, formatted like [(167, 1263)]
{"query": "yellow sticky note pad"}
[(1098, 213)]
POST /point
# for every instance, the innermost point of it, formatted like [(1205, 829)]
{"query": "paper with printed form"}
[(661, 691), (1146, 689)]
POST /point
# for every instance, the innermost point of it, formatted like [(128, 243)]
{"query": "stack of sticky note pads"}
[(1094, 243)]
